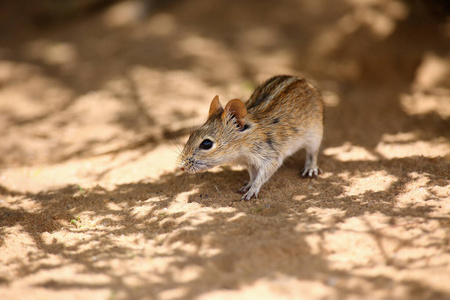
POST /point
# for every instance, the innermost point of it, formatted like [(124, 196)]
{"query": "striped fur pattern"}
[(283, 115)]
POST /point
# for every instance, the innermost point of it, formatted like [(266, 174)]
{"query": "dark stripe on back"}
[(265, 90)]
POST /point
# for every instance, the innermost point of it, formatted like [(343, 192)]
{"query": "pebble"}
[(332, 281), (106, 222)]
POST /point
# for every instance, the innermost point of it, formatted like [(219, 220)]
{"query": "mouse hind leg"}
[(312, 145)]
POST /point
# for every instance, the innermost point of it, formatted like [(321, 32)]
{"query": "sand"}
[(94, 109)]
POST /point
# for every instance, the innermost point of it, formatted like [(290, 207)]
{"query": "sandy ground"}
[(94, 110)]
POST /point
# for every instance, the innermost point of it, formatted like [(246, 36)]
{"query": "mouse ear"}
[(215, 106), (236, 108)]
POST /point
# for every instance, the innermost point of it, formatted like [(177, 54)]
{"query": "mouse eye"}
[(206, 144)]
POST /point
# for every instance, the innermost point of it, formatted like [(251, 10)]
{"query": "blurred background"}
[(85, 77), (98, 96)]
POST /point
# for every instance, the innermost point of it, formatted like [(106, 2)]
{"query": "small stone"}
[(332, 281), (106, 222)]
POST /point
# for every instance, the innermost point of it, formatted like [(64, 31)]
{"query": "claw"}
[(311, 172), (247, 196)]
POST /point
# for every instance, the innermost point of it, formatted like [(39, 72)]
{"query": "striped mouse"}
[(283, 115)]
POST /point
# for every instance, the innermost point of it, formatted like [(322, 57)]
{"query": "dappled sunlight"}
[(161, 25), (389, 254), (420, 189), (63, 55), (437, 147), (433, 71), (347, 152), (125, 13), (31, 93), (278, 286), (95, 107), (423, 104), (374, 182), (331, 99), (175, 237), (380, 16)]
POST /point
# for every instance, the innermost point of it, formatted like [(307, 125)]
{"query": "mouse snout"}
[(180, 163)]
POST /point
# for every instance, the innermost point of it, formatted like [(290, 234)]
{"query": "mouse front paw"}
[(311, 171), (252, 192), (249, 195)]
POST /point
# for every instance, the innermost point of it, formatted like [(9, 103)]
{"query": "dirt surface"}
[(95, 107)]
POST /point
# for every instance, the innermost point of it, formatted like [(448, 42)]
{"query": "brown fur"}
[(283, 115)]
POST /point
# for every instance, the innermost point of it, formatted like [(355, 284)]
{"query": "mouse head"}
[(219, 140)]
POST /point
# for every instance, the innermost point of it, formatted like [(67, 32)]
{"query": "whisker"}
[(177, 143), (179, 149), (170, 134), (178, 152), (191, 127)]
